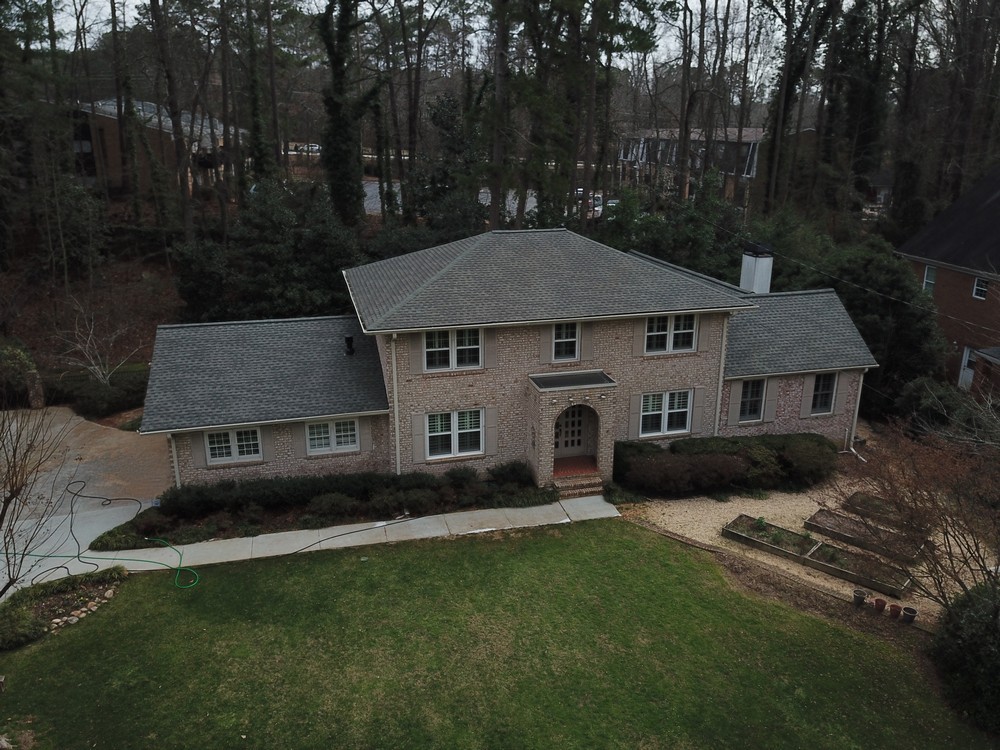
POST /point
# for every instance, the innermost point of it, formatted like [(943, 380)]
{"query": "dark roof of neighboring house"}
[(224, 374), (790, 332), (964, 234), (507, 277)]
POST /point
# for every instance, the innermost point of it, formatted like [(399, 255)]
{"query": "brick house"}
[(537, 346), (957, 260)]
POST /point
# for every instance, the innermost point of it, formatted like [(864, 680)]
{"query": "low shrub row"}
[(716, 464), (92, 399), (240, 508)]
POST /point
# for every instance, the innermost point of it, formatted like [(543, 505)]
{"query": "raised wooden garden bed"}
[(857, 568), (767, 537), (864, 570), (864, 534)]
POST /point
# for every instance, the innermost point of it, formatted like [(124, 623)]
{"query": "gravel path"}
[(701, 519)]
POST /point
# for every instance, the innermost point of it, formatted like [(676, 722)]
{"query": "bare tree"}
[(31, 462), (93, 342), (938, 493)]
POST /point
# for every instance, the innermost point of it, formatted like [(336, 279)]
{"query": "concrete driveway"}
[(113, 474)]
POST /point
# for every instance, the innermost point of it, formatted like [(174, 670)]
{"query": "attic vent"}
[(349, 344)]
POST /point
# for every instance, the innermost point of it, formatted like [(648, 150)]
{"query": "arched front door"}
[(576, 432)]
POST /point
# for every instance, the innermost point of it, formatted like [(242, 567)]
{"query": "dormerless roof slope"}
[(225, 374), (505, 277), (794, 332), (964, 234)]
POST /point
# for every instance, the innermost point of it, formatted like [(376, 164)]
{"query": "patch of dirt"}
[(117, 420), (62, 603)]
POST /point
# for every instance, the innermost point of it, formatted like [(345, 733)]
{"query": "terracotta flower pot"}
[(879, 605), (894, 610), (909, 613)]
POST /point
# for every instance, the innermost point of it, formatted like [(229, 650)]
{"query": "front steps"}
[(583, 485)]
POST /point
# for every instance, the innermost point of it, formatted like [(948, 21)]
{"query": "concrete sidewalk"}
[(339, 537)]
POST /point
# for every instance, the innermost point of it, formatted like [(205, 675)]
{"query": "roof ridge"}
[(794, 292), (472, 242), (702, 277), (258, 321)]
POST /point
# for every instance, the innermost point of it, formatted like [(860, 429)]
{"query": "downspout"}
[(722, 371), (395, 401), (857, 409), (173, 460)]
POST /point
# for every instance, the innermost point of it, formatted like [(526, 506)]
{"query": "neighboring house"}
[(957, 259), (536, 346), (650, 155)]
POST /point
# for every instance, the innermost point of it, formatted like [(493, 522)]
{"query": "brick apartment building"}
[(957, 259)]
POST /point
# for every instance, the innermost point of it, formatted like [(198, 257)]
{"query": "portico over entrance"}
[(573, 425)]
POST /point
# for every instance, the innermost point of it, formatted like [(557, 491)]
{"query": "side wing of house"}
[(795, 364), (268, 398)]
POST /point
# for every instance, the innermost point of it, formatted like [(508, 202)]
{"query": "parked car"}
[(308, 148)]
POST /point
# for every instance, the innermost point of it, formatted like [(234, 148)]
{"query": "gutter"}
[(395, 402), (173, 456), (234, 425), (722, 369)]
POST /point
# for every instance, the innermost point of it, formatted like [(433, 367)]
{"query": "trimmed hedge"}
[(324, 501), (700, 465)]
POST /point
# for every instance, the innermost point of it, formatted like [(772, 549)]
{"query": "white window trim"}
[(671, 326), (975, 288), (665, 411), (575, 340), (452, 351), (833, 396), (334, 448), (930, 278), (763, 400), (455, 453), (233, 459)]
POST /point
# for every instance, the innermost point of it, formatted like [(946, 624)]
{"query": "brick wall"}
[(525, 417), (964, 320), (284, 456), (788, 413)]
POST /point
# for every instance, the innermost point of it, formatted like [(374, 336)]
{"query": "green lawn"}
[(590, 635)]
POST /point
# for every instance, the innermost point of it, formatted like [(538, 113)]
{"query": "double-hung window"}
[(452, 349), (565, 342), (664, 413), (752, 401), (823, 393), (930, 277), (332, 437), (980, 288), (670, 333), (454, 433), (227, 446)]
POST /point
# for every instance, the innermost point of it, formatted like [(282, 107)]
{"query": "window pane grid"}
[(454, 433), (564, 338), (219, 445), (452, 350), (752, 400), (346, 434), (822, 399), (319, 436), (670, 333), (663, 413)]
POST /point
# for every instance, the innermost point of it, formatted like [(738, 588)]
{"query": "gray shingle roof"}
[(794, 332), (522, 276), (219, 374), (964, 234)]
